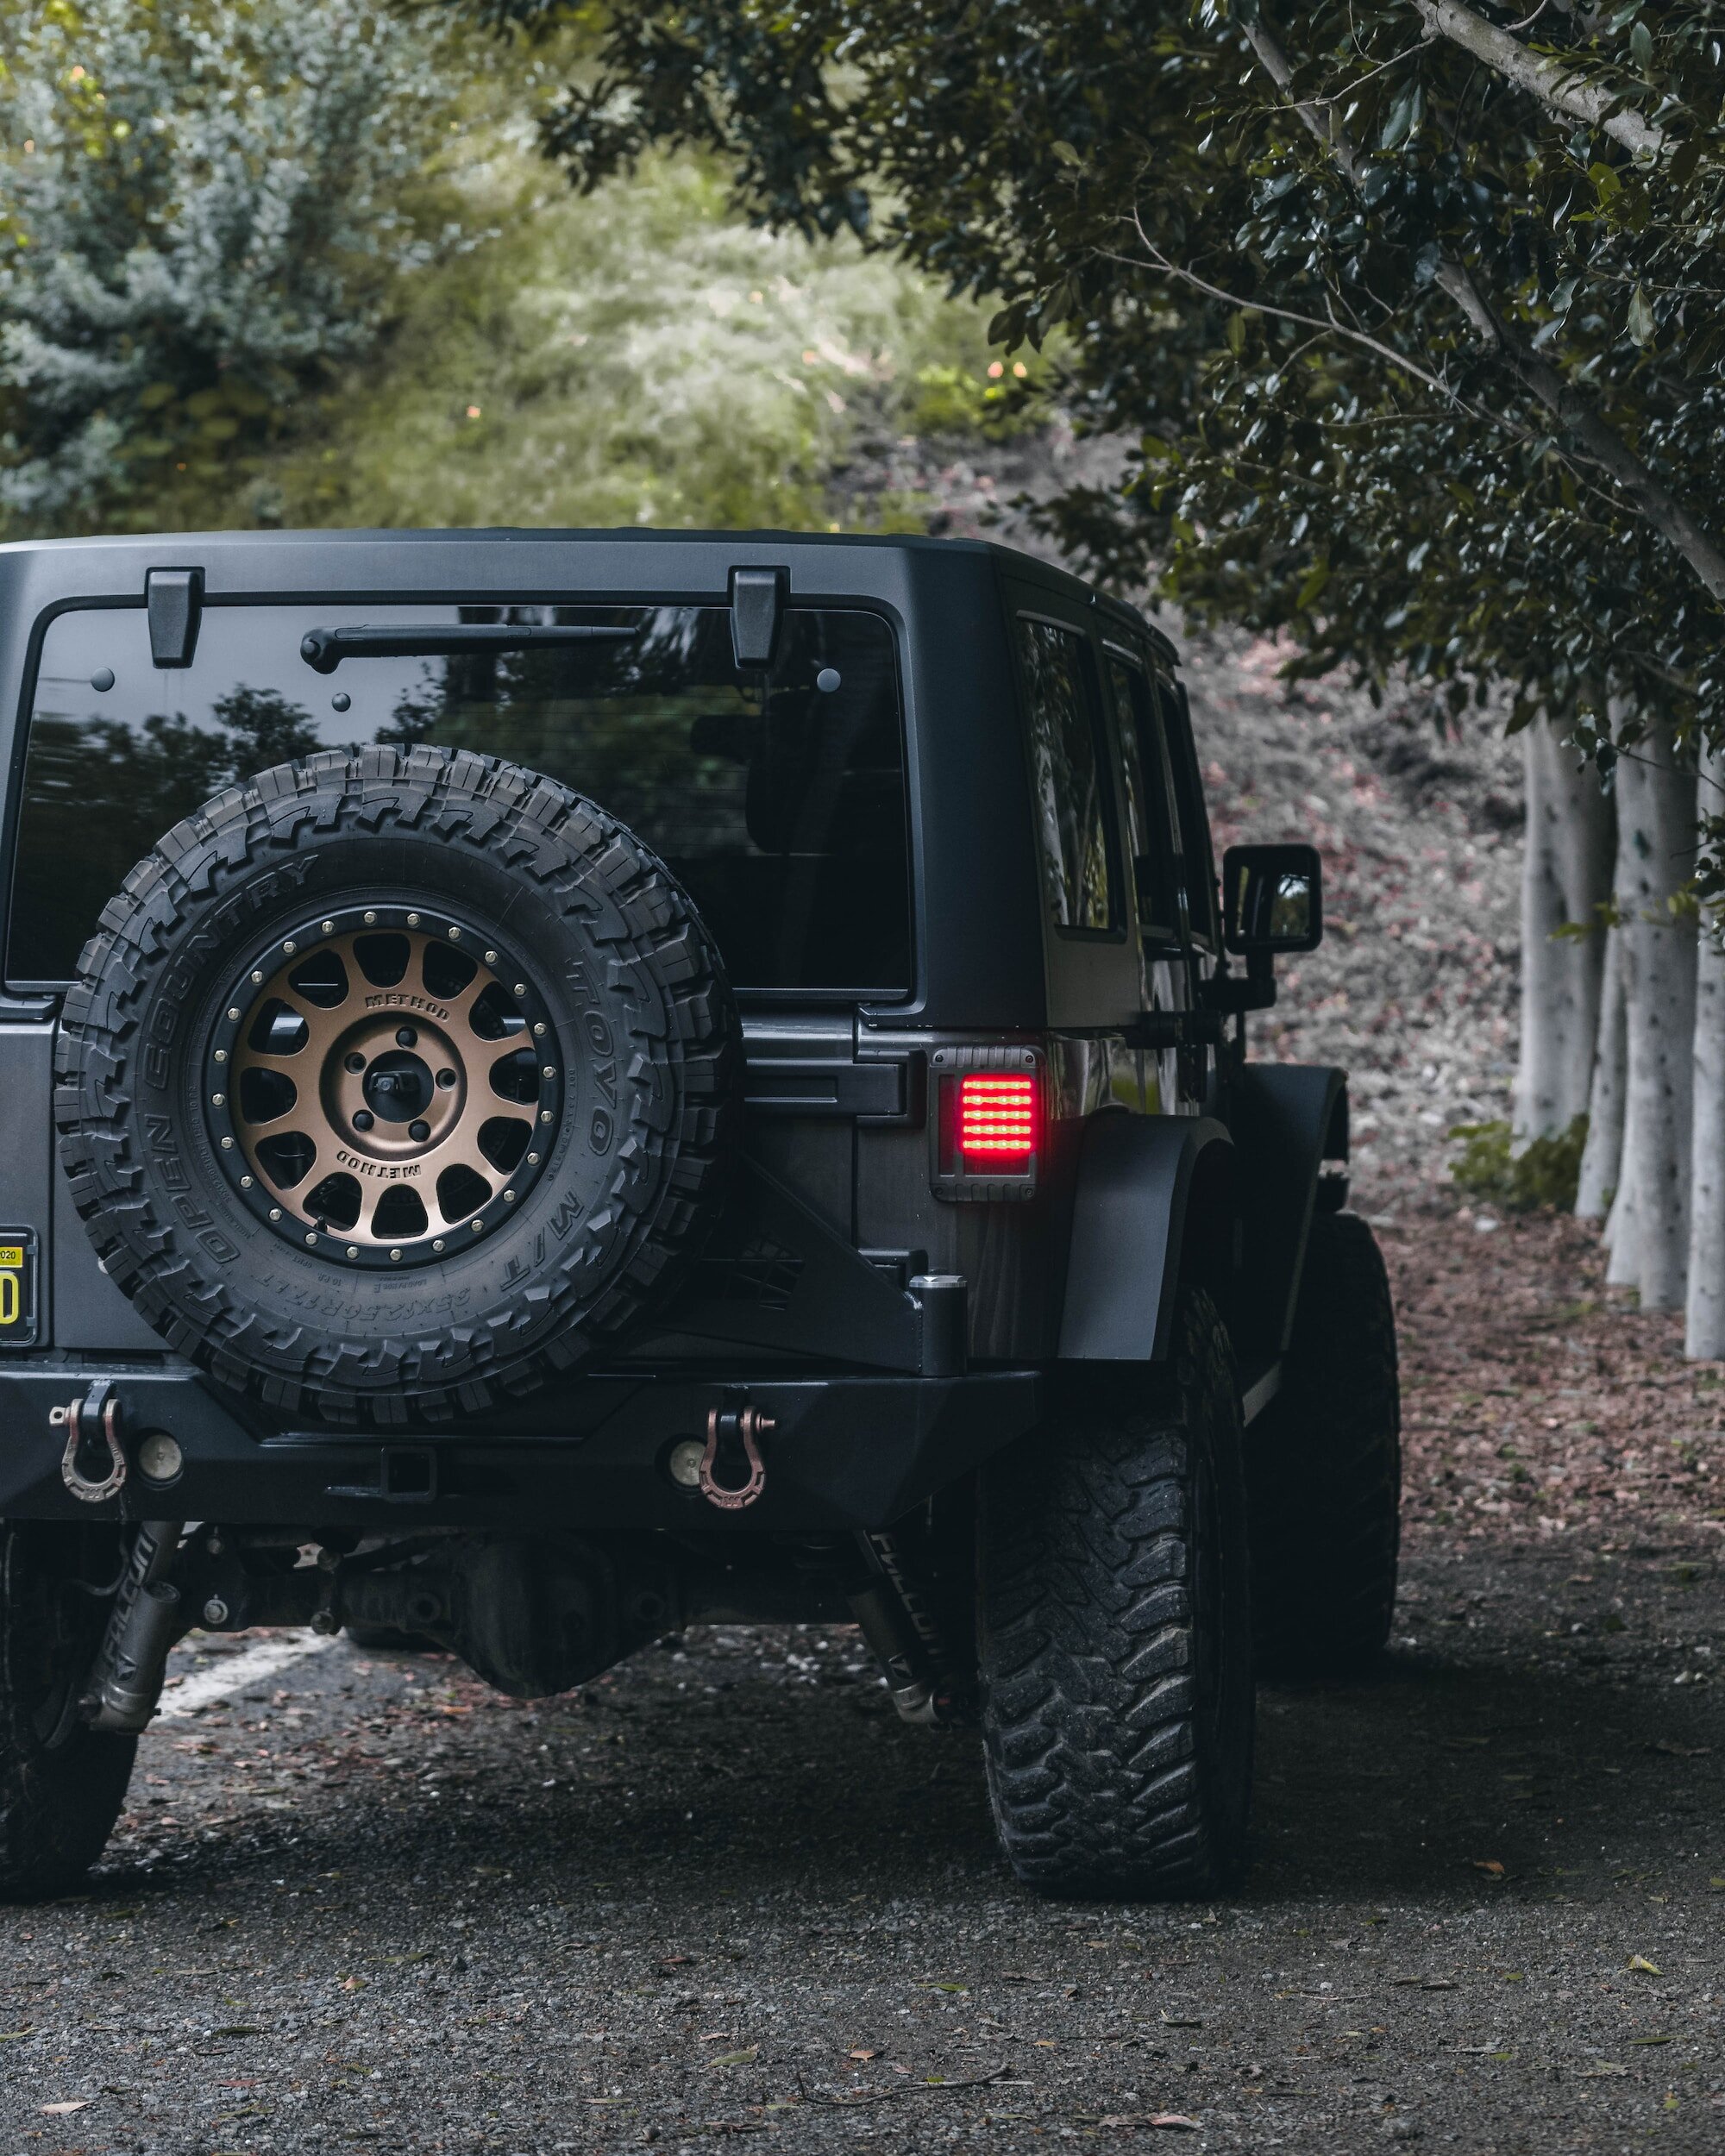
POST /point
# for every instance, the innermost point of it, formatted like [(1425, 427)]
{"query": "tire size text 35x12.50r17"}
[(315, 1043)]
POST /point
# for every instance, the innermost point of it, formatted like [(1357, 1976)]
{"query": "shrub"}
[(1544, 1173), (206, 208)]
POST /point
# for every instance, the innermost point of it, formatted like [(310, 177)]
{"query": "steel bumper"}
[(843, 1452)]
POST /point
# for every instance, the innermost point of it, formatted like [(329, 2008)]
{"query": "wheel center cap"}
[(398, 1087)]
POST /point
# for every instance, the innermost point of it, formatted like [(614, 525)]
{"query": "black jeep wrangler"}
[(556, 1086)]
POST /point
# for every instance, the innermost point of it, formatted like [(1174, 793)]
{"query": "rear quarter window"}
[(1069, 779), (778, 801)]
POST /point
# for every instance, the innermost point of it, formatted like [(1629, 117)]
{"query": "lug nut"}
[(215, 1611), (355, 1062), (419, 1133), (363, 1119)]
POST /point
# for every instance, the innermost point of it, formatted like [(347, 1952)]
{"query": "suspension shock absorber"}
[(126, 1679)]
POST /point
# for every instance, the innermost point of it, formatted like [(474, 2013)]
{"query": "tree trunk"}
[(1566, 876), (1602, 1159), (1704, 1327), (1655, 855)]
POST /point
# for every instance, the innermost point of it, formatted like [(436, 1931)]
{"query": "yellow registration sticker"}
[(11, 1254)]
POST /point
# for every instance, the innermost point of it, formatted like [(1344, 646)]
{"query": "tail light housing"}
[(989, 1122)]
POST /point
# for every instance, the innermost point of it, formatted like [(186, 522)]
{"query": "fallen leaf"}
[(1170, 2021), (1599, 2072), (1680, 1751), (1652, 2040), (60, 2110), (1489, 1863), (735, 2058), (353, 1983), (675, 1961), (1646, 1968), (863, 2054), (1175, 2119)]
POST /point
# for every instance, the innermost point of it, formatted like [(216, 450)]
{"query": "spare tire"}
[(394, 1083)]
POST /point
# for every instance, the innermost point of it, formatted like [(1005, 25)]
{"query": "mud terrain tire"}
[(1115, 1632), (1324, 1467), (629, 1005), (61, 1783)]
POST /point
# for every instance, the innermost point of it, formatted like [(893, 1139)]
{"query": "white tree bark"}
[(1566, 875), (1655, 855), (1602, 1159), (1704, 1312)]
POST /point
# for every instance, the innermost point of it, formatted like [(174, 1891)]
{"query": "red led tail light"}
[(996, 1117)]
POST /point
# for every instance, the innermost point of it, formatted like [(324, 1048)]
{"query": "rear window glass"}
[(1068, 773), (779, 803)]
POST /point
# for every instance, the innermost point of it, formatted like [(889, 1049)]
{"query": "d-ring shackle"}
[(747, 1425)]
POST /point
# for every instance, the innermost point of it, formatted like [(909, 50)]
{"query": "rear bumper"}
[(844, 1451)]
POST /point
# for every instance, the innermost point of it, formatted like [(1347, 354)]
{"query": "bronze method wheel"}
[(385, 1086)]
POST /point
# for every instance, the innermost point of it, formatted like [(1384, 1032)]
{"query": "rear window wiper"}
[(323, 649)]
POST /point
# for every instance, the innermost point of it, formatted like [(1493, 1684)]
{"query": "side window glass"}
[(1150, 834), (1068, 774), (1192, 816)]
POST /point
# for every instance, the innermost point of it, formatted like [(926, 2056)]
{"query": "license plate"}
[(18, 1295)]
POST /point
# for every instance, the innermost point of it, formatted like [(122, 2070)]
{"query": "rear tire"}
[(1324, 1467), (1115, 1632), (61, 1783)]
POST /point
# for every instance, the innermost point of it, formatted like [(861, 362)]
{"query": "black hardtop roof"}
[(178, 547)]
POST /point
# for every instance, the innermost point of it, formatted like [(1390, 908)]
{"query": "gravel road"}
[(361, 1900)]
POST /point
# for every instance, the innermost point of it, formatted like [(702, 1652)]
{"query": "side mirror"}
[(1272, 900)]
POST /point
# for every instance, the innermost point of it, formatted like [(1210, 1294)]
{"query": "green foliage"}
[(207, 209), (1421, 365), (1546, 1172), (640, 356)]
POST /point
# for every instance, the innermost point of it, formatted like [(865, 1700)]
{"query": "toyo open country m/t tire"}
[(393, 1083), (1324, 1467), (1114, 1630)]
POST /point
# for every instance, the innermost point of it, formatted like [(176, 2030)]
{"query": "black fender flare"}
[(1154, 1204)]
